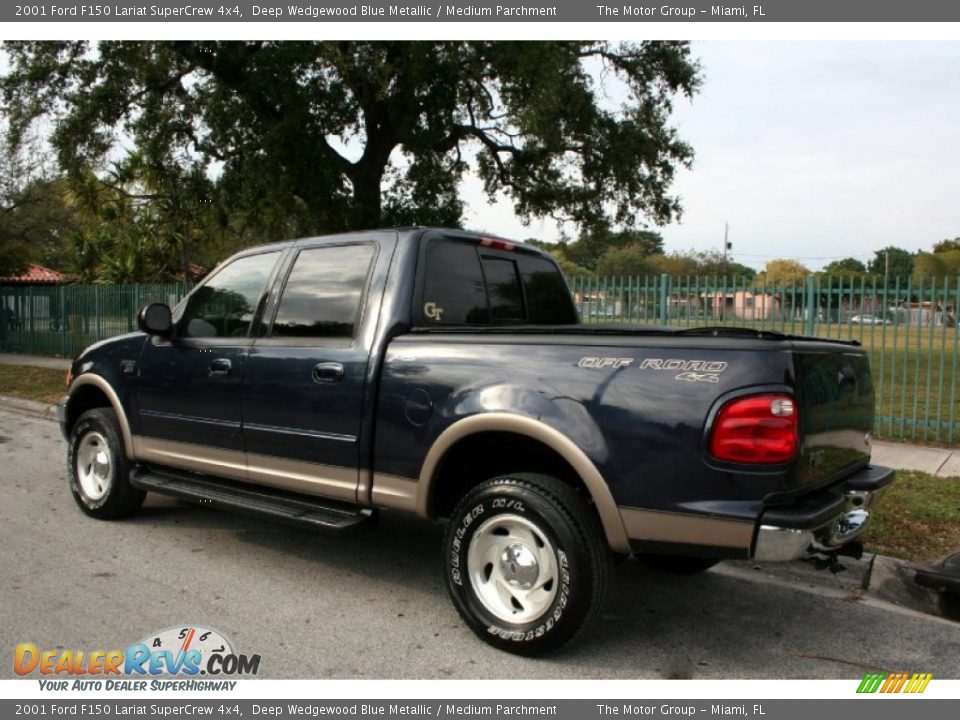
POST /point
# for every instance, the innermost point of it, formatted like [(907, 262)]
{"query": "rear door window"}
[(322, 297)]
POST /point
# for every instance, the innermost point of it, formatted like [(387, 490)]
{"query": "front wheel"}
[(526, 563), (98, 468)]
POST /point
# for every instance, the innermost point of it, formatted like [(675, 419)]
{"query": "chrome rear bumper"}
[(822, 525)]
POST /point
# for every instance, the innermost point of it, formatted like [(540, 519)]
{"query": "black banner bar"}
[(458, 11), (874, 708)]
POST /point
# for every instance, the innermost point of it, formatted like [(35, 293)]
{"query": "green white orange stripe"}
[(900, 682)]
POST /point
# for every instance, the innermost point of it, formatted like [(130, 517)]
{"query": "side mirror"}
[(155, 319)]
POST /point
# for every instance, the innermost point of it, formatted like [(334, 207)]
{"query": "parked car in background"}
[(869, 320)]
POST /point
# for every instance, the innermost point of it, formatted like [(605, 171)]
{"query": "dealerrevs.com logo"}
[(179, 652)]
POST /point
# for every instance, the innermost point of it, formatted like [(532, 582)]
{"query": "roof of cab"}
[(406, 233)]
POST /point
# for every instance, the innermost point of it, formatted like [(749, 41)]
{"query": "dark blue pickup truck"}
[(446, 374)]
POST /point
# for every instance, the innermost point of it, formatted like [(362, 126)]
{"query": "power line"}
[(806, 257)]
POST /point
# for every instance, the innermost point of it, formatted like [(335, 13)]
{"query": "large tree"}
[(947, 245), (321, 136), (897, 261), (35, 209), (783, 273), (847, 267), (588, 249)]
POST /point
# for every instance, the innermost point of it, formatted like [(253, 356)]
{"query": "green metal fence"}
[(62, 320), (909, 329)]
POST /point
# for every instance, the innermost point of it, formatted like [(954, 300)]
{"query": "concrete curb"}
[(29, 407), (874, 579)]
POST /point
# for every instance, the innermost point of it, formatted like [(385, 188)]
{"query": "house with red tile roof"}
[(35, 275)]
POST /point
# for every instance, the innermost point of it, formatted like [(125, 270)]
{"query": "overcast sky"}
[(810, 150), (813, 151)]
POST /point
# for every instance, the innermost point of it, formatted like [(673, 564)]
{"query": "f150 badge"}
[(689, 370)]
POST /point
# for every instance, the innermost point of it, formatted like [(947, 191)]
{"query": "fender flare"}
[(102, 385), (521, 425)]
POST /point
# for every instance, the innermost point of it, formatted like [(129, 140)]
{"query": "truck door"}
[(188, 388), (304, 382)]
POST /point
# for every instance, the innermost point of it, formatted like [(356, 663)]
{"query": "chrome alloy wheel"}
[(513, 568), (94, 465)]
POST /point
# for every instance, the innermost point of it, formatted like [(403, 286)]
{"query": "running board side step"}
[(304, 510)]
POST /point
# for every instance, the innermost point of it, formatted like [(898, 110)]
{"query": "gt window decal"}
[(433, 311)]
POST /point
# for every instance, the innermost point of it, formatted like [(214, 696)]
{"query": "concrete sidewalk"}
[(40, 361), (942, 462)]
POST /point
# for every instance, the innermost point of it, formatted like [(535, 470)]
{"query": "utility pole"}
[(726, 244), (886, 268)]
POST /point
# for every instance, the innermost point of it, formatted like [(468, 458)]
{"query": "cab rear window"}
[(468, 284)]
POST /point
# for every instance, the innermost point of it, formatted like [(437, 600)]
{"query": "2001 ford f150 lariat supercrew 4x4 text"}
[(443, 373)]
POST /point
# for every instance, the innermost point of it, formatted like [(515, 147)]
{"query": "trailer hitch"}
[(828, 558)]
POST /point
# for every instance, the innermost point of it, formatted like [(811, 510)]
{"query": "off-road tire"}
[(529, 518), (98, 469)]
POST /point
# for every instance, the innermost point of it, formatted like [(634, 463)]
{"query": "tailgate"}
[(835, 392)]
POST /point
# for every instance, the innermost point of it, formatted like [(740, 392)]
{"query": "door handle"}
[(219, 367), (327, 372)]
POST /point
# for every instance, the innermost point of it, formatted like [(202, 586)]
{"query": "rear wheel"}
[(98, 469), (526, 563)]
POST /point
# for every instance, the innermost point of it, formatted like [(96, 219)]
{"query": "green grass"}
[(32, 383), (917, 519)]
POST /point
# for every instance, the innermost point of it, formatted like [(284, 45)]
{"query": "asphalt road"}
[(371, 604)]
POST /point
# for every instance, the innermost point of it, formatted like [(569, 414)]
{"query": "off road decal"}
[(604, 362), (707, 371)]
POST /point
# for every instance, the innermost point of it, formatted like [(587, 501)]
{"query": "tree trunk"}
[(367, 199)]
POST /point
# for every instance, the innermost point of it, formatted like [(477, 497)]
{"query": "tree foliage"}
[(847, 267), (632, 260), (936, 265), (590, 248), (713, 264), (289, 138), (783, 273), (947, 245), (36, 209), (901, 263)]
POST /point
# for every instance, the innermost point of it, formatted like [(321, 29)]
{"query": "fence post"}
[(63, 321), (812, 307), (664, 295)]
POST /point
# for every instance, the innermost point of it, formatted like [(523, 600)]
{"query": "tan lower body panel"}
[(338, 483), (689, 529), (394, 492)]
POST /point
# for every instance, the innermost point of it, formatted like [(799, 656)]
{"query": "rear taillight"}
[(756, 429)]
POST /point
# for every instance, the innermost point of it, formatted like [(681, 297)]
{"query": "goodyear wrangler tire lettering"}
[(526, 563), (98, 469)]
